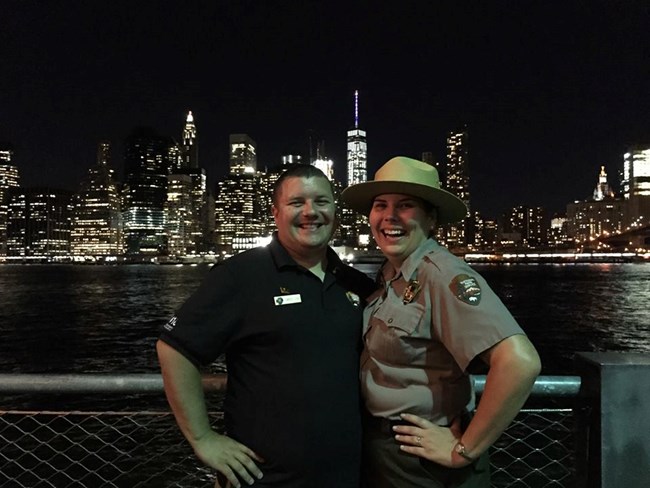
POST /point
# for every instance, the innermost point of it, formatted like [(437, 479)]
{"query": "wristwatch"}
[(461, 450)]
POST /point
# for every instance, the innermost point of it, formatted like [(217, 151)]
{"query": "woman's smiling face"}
[(399, 224)]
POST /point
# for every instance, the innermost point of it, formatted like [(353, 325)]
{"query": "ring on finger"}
[(418, 440)]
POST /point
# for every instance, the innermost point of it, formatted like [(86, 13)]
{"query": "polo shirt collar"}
[(282, 258)]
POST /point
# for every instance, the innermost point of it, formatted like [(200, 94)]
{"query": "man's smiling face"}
[(304, 214)]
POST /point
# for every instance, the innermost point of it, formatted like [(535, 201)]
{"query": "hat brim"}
[(449, 207)]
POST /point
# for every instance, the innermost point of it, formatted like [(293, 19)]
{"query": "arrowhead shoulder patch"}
[(466, 289)]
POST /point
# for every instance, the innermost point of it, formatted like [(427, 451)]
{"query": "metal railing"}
[(61, 448)]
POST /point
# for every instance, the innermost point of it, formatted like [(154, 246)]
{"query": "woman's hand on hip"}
[(430, 441)]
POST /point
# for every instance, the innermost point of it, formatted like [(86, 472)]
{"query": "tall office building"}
[(590, 219), (190, 143), (322, 162), (8, 179), (178, 211), (240, 199), (243, 154), (238, 210), (146, 166), (200, 222), (353, 229), (558, 235), (96, 218), (38, 227), (357, 149), (287, 160), (525, 226), (487, 233), (602, 190), (457, 180), (636, 185), (600, 216)]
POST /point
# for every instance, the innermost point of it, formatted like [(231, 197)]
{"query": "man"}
[(288, 317)]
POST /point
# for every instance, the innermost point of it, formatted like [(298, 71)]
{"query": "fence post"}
[(617, 388)]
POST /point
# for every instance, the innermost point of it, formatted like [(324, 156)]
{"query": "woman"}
[(432, 318)]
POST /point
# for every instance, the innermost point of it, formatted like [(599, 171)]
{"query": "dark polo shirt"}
[(292, 348)]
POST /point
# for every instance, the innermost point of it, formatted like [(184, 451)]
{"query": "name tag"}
[(287, 299)]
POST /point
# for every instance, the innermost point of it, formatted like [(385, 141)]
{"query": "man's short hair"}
[(298, 171)]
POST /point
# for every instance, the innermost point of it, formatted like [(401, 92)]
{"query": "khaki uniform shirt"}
[(422, 330)]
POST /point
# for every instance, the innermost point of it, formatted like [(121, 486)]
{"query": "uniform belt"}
[(385, 426), (382, 424)]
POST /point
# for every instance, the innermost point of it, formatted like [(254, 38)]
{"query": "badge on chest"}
[(287, 299)]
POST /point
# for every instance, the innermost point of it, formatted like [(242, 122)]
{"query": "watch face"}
[(460, 450)]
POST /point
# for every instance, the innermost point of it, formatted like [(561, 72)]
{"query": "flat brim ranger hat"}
[(411, 177)]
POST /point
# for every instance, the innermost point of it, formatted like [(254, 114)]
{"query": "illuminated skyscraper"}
[(240, 198), (96, 219), (178, 210), (190, 151), (558, 235), (322, 162), (243, 154), (290, 159), (357, 149), (146, 166), (602, 189), (590, 219), (636, 185), (457, 180), (200, 224), (525, 226), (636, 172), (238, 212), (353, 229), (8, 179), (38, 227)]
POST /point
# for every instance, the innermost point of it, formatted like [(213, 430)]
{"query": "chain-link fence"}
[(146, 449)]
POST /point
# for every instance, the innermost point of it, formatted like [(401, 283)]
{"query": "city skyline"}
[(550, 93)]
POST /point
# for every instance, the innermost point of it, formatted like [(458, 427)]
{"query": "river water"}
[(105, 319)]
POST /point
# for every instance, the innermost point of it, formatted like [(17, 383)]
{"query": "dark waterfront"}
[(105, 319)]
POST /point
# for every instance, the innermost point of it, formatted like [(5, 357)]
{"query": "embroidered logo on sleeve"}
[(171, 324), (466, 289)]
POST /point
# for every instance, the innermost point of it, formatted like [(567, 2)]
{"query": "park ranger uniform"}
[(422, 330)]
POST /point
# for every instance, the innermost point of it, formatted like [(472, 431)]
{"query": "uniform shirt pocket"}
[(404, 320), (399, 336)]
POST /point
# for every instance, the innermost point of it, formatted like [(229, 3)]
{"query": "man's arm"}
[(184, 392), (514, 365)]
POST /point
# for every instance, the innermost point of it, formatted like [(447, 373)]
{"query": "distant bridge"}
[(638, 238)]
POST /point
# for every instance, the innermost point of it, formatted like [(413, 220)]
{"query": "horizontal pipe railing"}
[(88, 383), (143, 447), (545, 386)]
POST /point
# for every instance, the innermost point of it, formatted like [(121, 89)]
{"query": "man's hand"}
[(430, 441), (234, 460)]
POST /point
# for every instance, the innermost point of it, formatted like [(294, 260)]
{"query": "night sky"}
[(550, 91)]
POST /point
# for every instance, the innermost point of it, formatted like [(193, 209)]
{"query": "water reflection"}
[(72, 319)]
